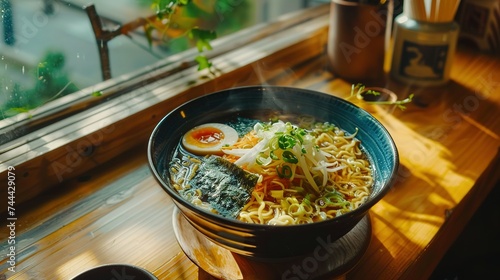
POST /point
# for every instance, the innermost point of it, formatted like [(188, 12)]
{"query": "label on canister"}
[(423, 62), (423, 52)]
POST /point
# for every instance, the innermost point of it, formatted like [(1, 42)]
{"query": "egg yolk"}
[(207, 136)]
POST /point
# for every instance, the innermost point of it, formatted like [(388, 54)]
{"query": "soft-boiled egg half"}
[(209, 138)]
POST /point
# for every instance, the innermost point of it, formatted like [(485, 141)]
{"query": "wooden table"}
[(448, 140)]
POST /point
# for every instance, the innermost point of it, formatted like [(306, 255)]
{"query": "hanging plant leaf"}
[(202, 38), (165, 8), (97, 93), (203, 62)]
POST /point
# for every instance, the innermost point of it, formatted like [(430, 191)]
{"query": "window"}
[(49, 48), (61, 116)]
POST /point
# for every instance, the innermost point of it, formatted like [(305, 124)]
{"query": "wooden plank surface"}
[(448, 140)]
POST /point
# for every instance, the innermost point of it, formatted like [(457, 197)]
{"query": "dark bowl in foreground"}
[(261, 102), (115, 271)]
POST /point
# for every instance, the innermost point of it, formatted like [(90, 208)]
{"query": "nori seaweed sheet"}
[(224, 185), (242, 125)]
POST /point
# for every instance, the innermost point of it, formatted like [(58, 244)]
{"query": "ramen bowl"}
[(263, 102)]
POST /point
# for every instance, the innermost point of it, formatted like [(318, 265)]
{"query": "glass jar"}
[(423, 51)]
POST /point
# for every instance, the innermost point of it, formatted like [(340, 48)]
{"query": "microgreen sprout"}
[(357, 90)]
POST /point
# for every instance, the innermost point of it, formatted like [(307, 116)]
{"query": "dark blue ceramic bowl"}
[(261, 102), (115, 271)]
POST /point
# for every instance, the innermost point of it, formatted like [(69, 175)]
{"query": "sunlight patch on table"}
[(129, 242), (86, 259), (410, 222)]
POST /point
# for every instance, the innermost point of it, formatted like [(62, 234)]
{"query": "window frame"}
[(86, 132)]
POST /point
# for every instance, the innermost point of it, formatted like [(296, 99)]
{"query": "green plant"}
[(196, 22), (51, 82)]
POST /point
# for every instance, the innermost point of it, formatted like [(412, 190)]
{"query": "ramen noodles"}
[(287, 173)]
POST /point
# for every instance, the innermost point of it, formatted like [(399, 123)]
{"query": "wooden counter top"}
[(448, 140)]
